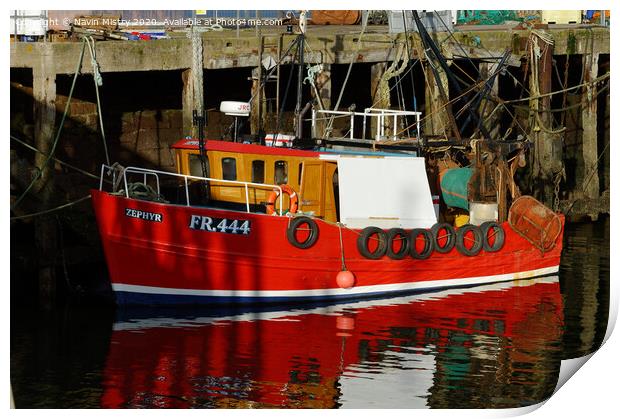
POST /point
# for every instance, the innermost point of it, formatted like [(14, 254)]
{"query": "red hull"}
[(153, 258)]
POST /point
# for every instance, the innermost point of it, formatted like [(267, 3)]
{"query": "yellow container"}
[(560, 16), (461, 220)]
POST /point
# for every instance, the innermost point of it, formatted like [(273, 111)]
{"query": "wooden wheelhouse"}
[(315, 179)]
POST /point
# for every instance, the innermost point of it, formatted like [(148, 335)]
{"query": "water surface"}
[(491, 346)]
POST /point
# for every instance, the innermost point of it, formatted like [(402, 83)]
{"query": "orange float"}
[(271, 208)]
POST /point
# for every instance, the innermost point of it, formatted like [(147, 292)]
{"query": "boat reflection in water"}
[(489, 346)]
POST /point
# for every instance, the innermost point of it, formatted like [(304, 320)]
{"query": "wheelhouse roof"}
[(232, 147)]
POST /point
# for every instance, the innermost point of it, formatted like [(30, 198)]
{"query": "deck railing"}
[(382, 117), (186, 178)]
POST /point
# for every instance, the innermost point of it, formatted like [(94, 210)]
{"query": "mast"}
[(430, 45), (300, 73), (199, 120)]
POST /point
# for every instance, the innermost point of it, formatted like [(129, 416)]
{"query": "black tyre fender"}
[(362, 243), (450, 240), (498, 232), (460, 240), (312, 236), (428, 243), (404, 247)]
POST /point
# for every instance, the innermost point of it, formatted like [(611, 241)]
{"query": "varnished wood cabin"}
[(308, 173)]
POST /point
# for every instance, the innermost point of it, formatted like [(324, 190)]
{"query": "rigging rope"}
[(391, 72), (343, 266), (409, 52), (288, 86), (555, 92), (330, 124), (270, 73), (535, 54)]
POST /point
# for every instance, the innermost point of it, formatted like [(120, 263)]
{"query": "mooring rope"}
[(98, 82), (39, 170), (35, 214), (36, 150)]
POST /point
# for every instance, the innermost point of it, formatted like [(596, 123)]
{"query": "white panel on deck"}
[(385, 192)]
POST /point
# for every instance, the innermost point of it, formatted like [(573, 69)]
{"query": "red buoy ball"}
[(345, 279), (345, 323)]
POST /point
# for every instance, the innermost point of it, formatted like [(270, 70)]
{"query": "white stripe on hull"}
[(335, 309), (333, 292)]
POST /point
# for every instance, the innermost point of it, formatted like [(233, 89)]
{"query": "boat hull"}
[(162, 254)]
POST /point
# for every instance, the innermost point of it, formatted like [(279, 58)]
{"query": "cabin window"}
[(258, 171), (195, 168), (301, 165), (280, 172), (229, 168)]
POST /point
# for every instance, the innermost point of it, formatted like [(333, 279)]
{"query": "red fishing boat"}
[(295, 218), (275, 224)]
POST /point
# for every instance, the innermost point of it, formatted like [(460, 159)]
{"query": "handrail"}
[(246, 185), (103, 167), (369, 112), (379, 114), (391, 111)]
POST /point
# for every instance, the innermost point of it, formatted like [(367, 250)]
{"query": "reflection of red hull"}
[(165, 261), (295, 358)]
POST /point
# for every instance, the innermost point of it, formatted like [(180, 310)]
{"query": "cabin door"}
[(312, 190)]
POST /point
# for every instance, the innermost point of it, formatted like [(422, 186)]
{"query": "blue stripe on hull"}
[(126, 298)]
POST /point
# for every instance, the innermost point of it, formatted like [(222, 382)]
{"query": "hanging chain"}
[(559, 176)]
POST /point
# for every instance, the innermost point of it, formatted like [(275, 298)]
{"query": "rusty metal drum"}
[(535, 222)]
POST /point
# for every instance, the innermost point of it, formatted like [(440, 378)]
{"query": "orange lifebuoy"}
[(276, 193)]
